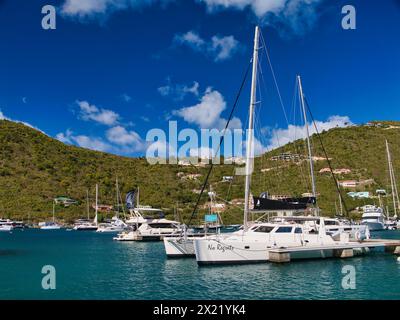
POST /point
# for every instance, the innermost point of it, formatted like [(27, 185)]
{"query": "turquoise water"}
[(92, 266)]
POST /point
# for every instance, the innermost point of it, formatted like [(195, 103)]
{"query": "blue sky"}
[(114, 69)]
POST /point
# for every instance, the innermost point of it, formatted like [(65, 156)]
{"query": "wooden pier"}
[(342, 251)]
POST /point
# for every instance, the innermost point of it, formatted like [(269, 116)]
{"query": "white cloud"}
[(223, 47), (297, 15), (192, 39), (3, 117), (65, 137), (86, 9), (92, 143), (126, 97), (178, 91), (207, 113), (120, 141), (219, 48), (120, 136), (103, 116), (280, 137)]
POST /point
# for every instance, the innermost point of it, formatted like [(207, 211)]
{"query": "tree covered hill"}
[(34, 169)]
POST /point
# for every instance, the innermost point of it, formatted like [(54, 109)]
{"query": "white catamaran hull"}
[(179, 247), (50, 228), (241, 252)]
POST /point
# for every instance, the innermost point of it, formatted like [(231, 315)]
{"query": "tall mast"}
[(97, 204), (314, 192), (392, 182), (87, 204), (249, 148), (138, 196), (116, 186), (54, 211)]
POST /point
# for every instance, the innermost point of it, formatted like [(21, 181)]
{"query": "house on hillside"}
[(184, 163), (65, 201), (359, 195), (342, 171), (336, 171), (234, 160), (381, 192), (348, 183), (287, 157), (103, 207), (192, 176), (227, 178), (366, 182)]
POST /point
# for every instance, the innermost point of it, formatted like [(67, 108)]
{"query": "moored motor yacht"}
[(6, 225), (115, 225), (373, 217)]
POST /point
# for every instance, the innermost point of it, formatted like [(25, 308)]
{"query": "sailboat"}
[(50, 225), (291, 209), (392, 223), (254, 241), (87, 224), (116, 224)]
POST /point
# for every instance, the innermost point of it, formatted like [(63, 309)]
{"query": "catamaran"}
[(254, 242), (50, 225), (87, 224), (115, 225)]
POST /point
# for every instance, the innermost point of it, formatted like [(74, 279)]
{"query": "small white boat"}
[(6, 225), (49, 226)]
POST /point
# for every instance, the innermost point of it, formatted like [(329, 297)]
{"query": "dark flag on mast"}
[(130, 199)]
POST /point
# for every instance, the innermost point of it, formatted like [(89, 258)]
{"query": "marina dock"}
[(343, 251)]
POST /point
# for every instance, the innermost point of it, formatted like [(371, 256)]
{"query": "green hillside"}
[(35, 168)]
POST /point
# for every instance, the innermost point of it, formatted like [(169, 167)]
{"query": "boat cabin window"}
[(329, 222), (161, 225), (284, 230), (264, 229), (298, 230)]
